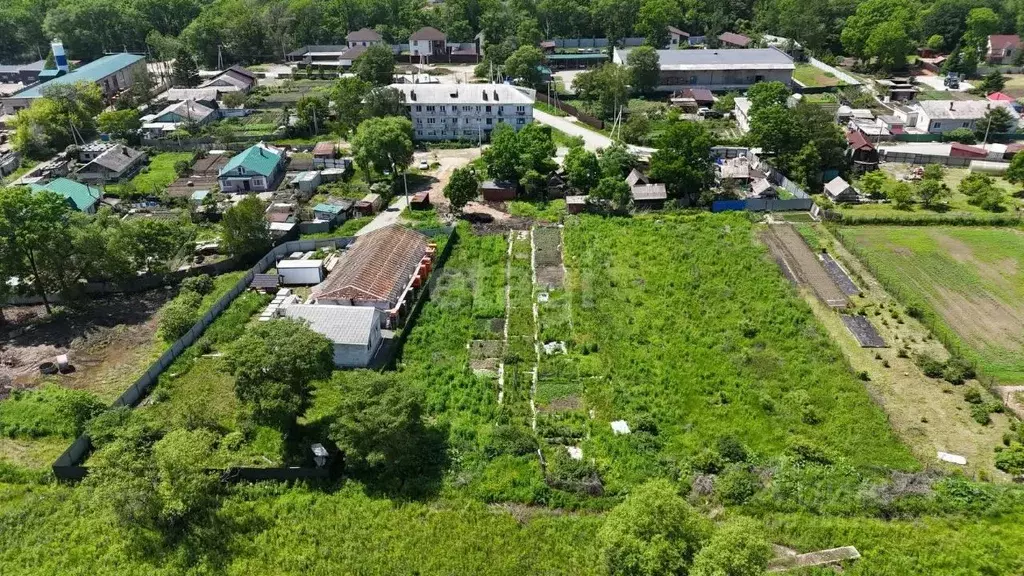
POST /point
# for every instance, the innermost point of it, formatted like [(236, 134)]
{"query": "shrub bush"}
[(973, 395), (707, 461), (931, 367), (201, 284), (512, 440), (178, 317), (957, 370), (737, 485)]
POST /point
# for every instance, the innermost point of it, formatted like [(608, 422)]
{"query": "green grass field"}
[(161, 172), (680, 324), (970, 282), (810, 76)]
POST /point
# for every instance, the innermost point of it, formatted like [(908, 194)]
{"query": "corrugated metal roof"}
[(721, 59), (82, 196), (377, 267), (91, 72), (330, 208), (350, 325), (258, 159), (649, 192), (495, 94)]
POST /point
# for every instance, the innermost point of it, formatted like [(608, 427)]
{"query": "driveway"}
[(386, 218), (591, 140), (935, 83)]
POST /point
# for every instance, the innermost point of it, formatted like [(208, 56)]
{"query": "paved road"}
[(385, 218), (591, 140)]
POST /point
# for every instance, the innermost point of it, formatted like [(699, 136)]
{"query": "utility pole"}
[(220, 57)]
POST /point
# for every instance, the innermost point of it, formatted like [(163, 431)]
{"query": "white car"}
[(423, 165)]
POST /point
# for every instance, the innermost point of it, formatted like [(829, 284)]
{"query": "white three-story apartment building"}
[(464, 111)]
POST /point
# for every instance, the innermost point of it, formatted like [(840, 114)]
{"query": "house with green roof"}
[(81, 197), (259, 168)]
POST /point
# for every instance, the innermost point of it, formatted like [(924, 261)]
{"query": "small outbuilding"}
[(266, 283), (420, 201), (335, 212), (353, 330), (649, 196), (306, 182), (300, 272), (497, 190), (840, 191), (575, 204), (369, 205)]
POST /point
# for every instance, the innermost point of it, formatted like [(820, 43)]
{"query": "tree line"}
[(249, 31)]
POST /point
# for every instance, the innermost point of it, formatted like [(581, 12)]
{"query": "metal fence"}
[(762, 205), (572, 111), (913, 158), (68, 465)]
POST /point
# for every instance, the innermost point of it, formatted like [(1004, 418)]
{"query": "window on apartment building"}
[(477, 108), (442, 109), (520, 120), (488, 109), (937, 125), (419, 132), (488, 121), (419, 120), (967, 124), (419, 108), (467, 120), (430, 108), (467, 108), (431, 120), (521, 109)]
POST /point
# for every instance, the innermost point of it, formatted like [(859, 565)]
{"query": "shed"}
[(336, 211), (301, 272), (575, 204), (306, 182), (762, 188), (326, 150), (958, 150), (636, 177), (266, 283), (354, 331), (497, 190), (649, 196), (840, 191), (199, 196), (420, 201), (369, 205)]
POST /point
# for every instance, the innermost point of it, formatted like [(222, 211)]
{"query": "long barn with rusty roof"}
[(379, 270)]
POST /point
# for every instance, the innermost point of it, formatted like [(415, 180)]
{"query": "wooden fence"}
[(572, 111)]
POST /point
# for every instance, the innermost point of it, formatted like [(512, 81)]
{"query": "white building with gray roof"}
[(718, 70), (941, 116), (354, 330), (464, 111)]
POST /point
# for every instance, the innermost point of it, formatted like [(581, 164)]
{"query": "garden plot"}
[(801, 265), (863, 331), (839, 275), (701, 341), (548, 257), (967, 283)]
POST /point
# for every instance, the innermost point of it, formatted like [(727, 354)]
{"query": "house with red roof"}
[(1002, 48), (861, 152)]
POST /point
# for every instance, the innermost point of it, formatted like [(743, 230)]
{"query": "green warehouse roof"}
[(256, 159), (92, 72), (577, 56), (82, 196)]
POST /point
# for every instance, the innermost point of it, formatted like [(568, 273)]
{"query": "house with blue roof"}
[(258, 168), (113, 73), (80, 196)]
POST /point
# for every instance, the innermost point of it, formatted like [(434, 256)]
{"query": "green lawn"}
[(159, 174), (969, 282), (814, 77), (928, 94)]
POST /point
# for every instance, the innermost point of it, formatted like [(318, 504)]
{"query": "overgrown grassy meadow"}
[(968, 284)]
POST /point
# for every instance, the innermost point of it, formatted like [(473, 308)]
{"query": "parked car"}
[(423, 165)]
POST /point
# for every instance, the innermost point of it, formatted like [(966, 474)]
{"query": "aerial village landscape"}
[(589, 287)]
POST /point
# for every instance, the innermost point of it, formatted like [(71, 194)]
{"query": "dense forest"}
[(251, 31)]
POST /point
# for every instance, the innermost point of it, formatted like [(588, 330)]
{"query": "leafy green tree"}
[(186, 72), (119, 123), (870, 15), (313, 114), (763, 94), (614, 189), (502, 156), (385, 101), (900, 194), (607, 86), (582, 169), (376, 65), (377, 423), (1015, 172), (618, 17), (273, 364), (179, 316), (383, 144), (644, 67), (461, 188), (185, 485), (934, 172), (61, 117), (996, 121), (930, 191), (736, 549), (653, 532), (993, 82), (523, 66), (244, 228), (234, 99), (889, 45), (33, 224), (935, 42), (348, 96), (616, 161), (873, 183), (725, 103), (654, 19), (982, 192), (981, 23), (683, 160)]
